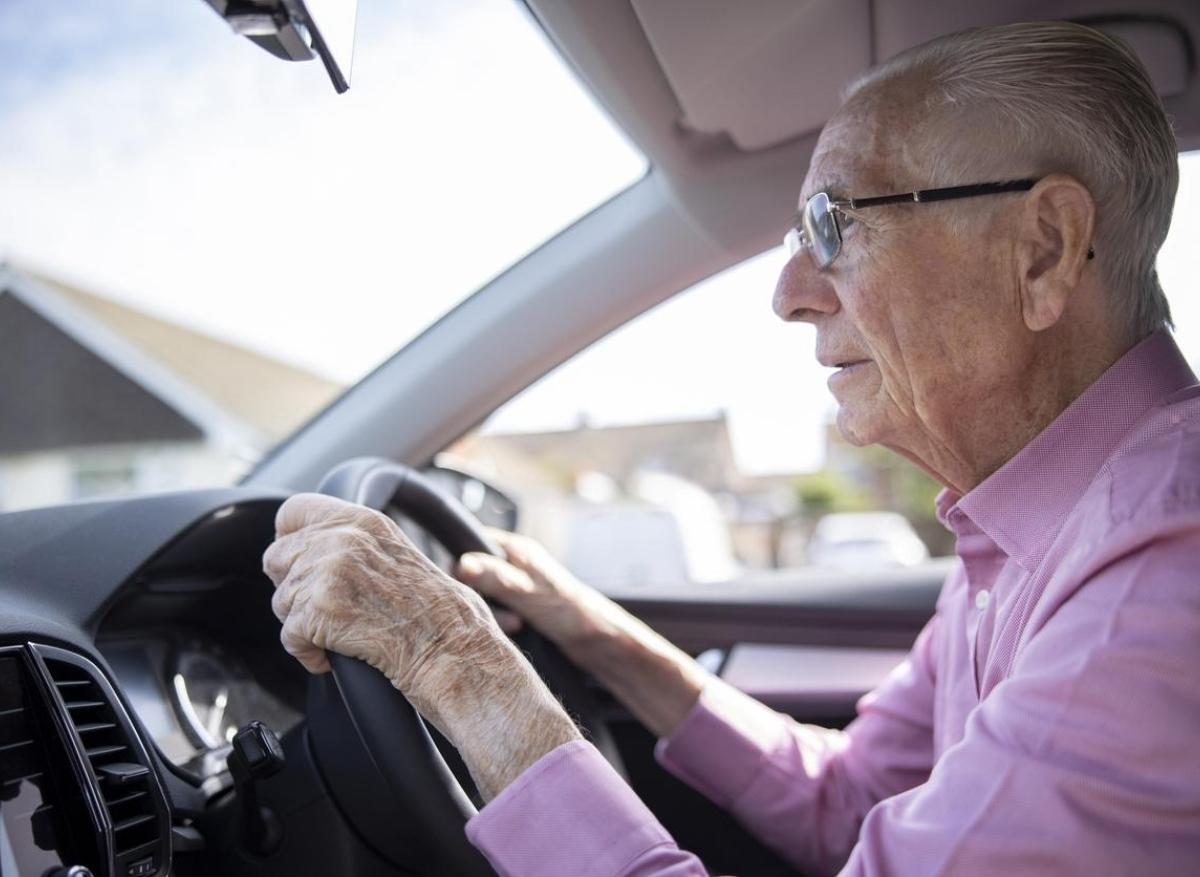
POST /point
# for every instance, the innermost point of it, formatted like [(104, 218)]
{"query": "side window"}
[(1178, 260), (696, 444)]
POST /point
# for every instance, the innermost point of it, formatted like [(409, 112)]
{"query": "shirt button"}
[(981, 600)]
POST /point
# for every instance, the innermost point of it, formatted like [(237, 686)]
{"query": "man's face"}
[(921, 321)]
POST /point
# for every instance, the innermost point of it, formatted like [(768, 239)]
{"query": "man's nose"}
[(802, 293)]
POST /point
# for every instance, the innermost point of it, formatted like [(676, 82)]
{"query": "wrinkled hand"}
[(536, 587), (348, 580)]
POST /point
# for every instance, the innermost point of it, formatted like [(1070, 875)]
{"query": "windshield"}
[(203, 245)]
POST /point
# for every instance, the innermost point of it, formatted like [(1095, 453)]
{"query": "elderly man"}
[(976, 247)]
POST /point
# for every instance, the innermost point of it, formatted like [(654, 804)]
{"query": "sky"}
[(717, 347), (729, 352), (153, 156), (150, 155)]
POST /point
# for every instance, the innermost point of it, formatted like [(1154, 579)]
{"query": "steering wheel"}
[(361, 706)]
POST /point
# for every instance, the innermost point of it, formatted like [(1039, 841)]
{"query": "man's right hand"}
[(657, 682), (535, 587)]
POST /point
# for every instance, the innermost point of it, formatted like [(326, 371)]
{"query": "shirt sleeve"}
[(570, 813), (1084, 760), (803, 790)]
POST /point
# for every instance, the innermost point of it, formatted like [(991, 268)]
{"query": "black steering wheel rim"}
[(396, 741)]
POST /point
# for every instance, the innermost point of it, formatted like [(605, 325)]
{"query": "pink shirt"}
[(1047, 719)]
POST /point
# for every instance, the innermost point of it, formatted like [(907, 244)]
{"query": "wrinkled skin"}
[(969, 339), (972, 327), (349, 581), (971, 336)]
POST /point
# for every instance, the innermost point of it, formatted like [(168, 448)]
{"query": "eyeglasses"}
[(816, 227)]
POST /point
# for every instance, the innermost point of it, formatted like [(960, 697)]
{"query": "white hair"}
[(1045, 97)]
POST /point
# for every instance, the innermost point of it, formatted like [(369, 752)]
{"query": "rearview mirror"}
[(298, 30), (491, 505)]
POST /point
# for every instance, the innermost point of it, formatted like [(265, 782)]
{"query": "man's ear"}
[(1054, 239)]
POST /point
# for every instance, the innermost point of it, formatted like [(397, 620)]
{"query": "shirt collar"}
[(1023, 504)]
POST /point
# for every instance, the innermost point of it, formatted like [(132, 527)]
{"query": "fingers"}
[(510, 542), (297, 644), (501, 536), (278, 560), (522, 552), (283, 598), (305, 509), (492, 576), (497, 579), (281, 554)]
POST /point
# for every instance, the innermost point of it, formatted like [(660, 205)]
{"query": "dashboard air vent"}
[(19, 759), (118, 762), (46, 821)]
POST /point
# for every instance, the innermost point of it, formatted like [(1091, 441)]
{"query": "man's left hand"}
[(348, 580)]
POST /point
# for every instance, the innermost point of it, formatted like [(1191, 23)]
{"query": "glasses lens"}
[(821, 229)]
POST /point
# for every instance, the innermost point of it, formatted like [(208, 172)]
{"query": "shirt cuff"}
[(721, 746), (568, 813)]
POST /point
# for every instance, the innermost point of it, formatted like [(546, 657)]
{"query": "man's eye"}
[(847, 220)]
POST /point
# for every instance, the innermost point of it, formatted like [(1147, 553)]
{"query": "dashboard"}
[(192, 642), (192, 694), (136, 640)]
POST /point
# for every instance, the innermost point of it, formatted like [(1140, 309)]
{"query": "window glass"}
[(204, 245), (1179, 260), (697, 443)]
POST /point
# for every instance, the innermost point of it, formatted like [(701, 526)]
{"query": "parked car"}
[(858, 540)]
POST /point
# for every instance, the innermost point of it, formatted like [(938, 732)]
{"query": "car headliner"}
[(728, 139)]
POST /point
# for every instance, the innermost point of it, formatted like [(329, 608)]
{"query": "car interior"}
[(152, 724)]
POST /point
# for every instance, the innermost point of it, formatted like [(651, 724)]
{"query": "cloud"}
[(151, 154), (239, 194), (46, 45)]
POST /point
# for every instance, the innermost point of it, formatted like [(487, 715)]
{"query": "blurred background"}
[(203, 246)]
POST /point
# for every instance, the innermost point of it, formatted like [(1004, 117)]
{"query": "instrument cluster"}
[(192, 694)]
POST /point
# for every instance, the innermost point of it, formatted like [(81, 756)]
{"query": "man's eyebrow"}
[(834, 187)]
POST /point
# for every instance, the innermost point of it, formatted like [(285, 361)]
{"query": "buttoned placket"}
[(980, 557)]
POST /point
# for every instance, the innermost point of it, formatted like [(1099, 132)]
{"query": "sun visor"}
[(1163, 48), (762, 72), (767, 72), (1156, 31)]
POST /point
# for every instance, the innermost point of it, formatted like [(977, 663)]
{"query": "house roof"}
[(699, 450), (57, 392), (229, 393)]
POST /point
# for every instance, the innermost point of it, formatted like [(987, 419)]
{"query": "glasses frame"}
[(799, 236)]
